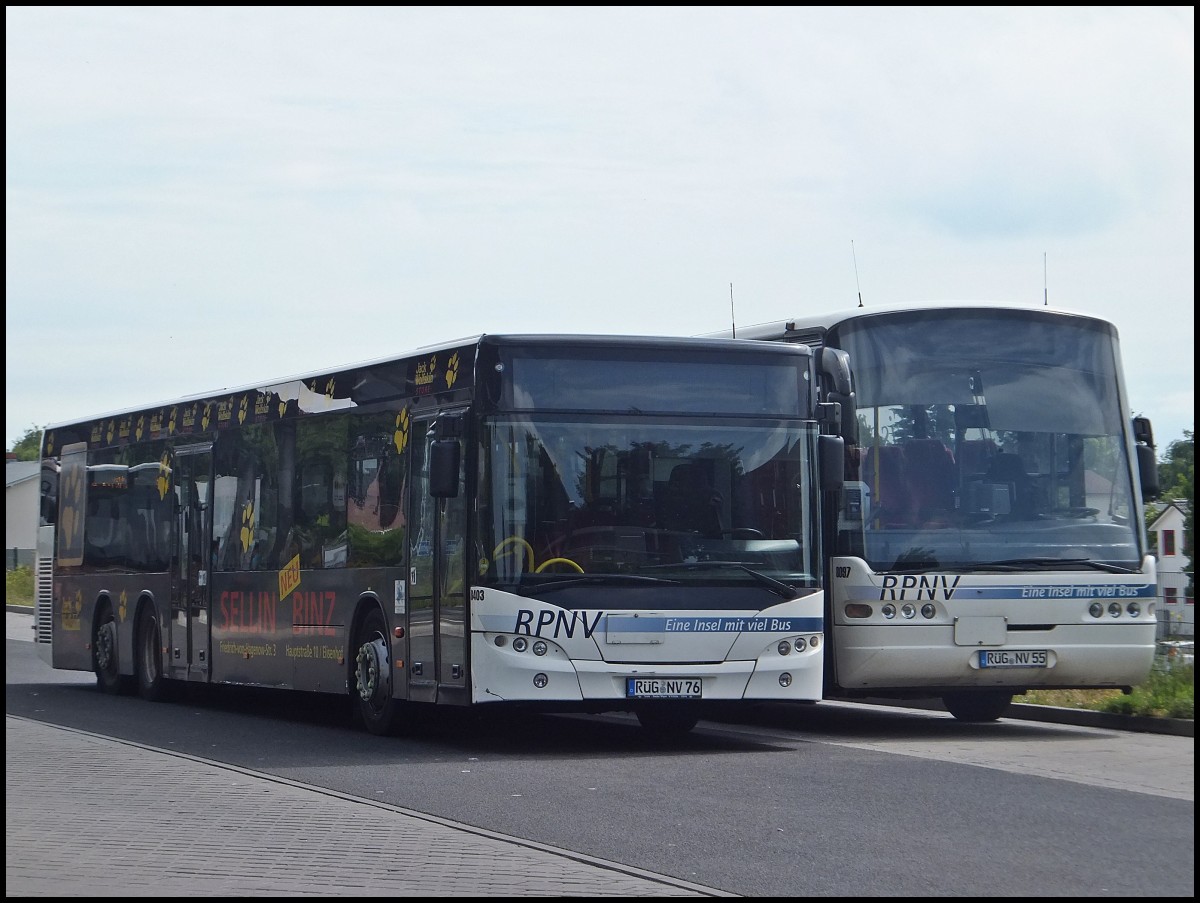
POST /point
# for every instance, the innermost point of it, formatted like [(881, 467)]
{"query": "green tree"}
[(29, 446), (1177, 477), (1177, 471)]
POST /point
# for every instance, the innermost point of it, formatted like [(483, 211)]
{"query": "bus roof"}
[(325, 379), (820, 322)]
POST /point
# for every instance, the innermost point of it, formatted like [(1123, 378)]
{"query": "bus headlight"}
[(1134, 609), (908, 610), (784, 647), (785, 679), (1096, 609), (540, 647), (928, 610), (1114, 609), (800, 644), (889, 611), (540, 680), (520, 644)]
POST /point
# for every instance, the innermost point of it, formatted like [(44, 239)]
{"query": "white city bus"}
[(571, 523), (990, 538)]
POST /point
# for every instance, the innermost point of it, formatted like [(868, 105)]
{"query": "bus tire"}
[(106, 663), (667, 720), (977, 705), (151, 683), (378, 712)]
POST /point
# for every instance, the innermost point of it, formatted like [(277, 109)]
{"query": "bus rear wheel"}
[(377, 710), (105, 662), (151, 684), (978, 705)]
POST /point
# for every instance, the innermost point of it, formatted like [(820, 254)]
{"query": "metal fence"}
[(1176, 624), (19, 558)]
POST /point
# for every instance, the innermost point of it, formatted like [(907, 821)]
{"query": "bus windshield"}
[(632, 499), (990, 437)]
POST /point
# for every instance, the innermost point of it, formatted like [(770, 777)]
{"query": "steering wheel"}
[(549, 561), (514, 541)]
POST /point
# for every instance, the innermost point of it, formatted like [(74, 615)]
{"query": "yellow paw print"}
[(247, 533), (400, 437), (163, 482)]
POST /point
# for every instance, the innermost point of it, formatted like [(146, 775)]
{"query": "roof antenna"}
[(856, 282), (1045, 283), (732, 319)]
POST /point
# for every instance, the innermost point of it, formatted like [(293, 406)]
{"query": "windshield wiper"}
[(593, 580), (1017, 564), (776, 586)]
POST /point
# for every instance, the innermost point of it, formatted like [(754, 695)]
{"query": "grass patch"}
[(18, 586), (1169, 692)]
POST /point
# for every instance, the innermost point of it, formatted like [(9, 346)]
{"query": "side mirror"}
[(834, 364), (1147, 459), (832, 466), (1148, 471)]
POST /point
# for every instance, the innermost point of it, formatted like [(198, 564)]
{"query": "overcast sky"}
[(201, 198)]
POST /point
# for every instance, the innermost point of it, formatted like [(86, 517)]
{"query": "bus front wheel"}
[(377, 710), (978, 705)]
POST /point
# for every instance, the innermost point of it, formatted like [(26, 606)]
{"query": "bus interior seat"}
[(930, 466), (1009, 469), (884, 473), (973, 457)]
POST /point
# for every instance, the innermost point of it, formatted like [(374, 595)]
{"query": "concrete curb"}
[(1024, 711), (1145, 724)]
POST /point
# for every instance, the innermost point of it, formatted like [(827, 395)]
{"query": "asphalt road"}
[(827, 800)]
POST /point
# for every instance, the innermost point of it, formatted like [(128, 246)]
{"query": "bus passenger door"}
[(189, 656), (437, 588)]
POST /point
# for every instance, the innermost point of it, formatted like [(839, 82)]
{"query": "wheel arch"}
[(146, 599), (367, 603)]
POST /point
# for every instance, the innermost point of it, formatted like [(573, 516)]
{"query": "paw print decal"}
[(247, 534), (400, 436), (452, 370), (243, 407), (71, 516), (123, 606), (163, 481), (71, 609)]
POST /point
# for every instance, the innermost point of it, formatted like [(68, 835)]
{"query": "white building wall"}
[(1179, 615), (21, 511)]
